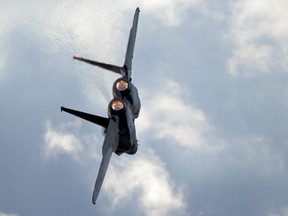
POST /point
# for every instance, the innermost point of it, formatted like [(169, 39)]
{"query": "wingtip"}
[(61, 108), (138, 9), (93, 200), (77, 57)]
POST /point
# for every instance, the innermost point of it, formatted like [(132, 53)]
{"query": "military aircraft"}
[(123, 109)]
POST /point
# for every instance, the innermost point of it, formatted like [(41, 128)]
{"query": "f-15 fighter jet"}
[(123, 109)]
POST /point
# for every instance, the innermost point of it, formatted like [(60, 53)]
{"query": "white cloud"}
[(252, 56), (6, 214), (146, 180), (66, 139), (167, 115), (260, 36), (85, 26), (145, 173), (62, 29), (168, 11), (58, 141)]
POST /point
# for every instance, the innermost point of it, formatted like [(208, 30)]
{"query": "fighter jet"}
[(123, 109)]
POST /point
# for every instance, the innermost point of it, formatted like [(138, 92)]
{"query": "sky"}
[(212, 78)]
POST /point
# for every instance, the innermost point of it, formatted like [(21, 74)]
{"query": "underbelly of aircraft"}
[(126, 145)]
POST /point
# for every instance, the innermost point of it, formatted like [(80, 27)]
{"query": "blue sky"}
[(212, 78)]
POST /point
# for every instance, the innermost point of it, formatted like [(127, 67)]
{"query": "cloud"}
[(62, 29), (146, 180), (171, 13), (168, 115), (6, 214), (59, 30), (259, 35), (80, 26), (251, 56), (57, 141), (149, 181), (66, 139)]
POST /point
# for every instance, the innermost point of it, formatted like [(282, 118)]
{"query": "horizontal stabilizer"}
[(109, 146), (113, 68), (102, 121)]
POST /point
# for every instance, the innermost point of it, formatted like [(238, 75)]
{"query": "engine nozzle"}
[(116, 107), (121, 85), (117, 104)]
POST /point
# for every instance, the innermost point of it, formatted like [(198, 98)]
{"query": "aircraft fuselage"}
[(126, 106)]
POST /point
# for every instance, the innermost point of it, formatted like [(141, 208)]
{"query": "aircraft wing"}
[(109, 146), (125, 71), (113, 68), (102, 121), (131, 44)]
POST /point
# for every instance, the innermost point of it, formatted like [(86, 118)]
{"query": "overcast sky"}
[(213, 83)]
